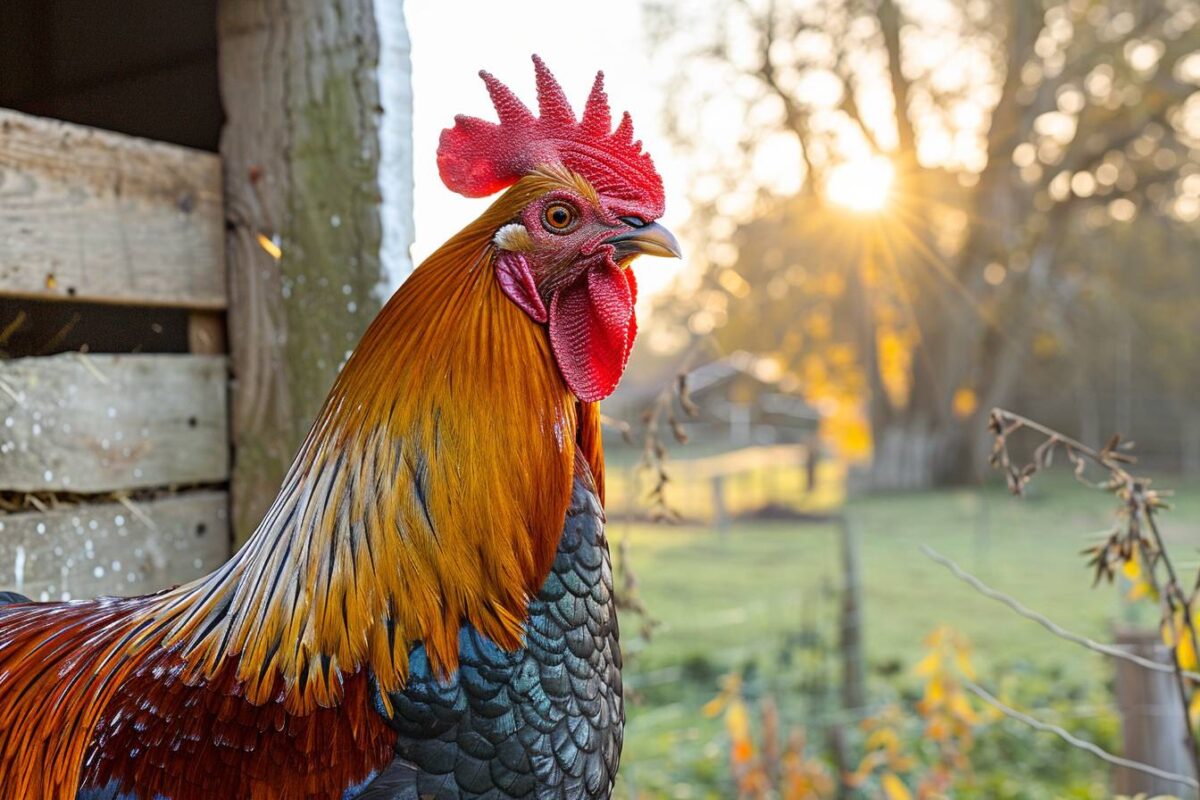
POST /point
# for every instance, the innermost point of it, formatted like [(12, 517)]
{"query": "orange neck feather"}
[(430, 492)]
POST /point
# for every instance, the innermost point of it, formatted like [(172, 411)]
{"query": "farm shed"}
[(739, 402), (194, 203), (753, 446)]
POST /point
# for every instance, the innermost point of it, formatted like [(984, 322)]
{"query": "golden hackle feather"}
[(430, 492)]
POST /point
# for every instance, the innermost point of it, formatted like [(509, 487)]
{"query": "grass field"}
[(763, 597)]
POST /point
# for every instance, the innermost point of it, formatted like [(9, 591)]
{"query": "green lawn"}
[(763, 597)]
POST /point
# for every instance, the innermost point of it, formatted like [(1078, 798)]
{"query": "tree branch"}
[(849, 103), (1138, 503), (662, 413), (796, 117), (888, 15)]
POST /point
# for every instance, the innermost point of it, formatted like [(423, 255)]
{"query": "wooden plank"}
[(104, 423), (114, 549), (99, 216)]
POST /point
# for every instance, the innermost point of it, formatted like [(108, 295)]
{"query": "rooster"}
[(426, 610)]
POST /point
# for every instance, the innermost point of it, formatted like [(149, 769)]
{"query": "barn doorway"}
[(140, 67)]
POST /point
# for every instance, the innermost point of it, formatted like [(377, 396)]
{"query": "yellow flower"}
[(894, 788)]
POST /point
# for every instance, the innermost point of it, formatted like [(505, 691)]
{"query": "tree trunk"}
[(964, 343), (931, 442), (302, 149)]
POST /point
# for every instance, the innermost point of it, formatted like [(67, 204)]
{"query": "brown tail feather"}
[(88, 696), (60, 665)]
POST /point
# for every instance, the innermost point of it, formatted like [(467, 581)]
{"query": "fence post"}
[(837, 749), (720, 512), (1153, 726), (853, 673)]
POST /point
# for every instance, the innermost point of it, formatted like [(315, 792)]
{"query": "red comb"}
[(477, 158)]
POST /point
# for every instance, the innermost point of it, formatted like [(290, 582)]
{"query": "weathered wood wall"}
[(116, 464), (112, 548), (103, 423), (302, 153), (313, 184), (92, 215)]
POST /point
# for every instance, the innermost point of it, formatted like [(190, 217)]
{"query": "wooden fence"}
[(716, 488), (113, 465)]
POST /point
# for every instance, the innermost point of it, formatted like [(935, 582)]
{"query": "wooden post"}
[(812, 460), (1153, 725), (720, 511), (1189, 443), (836, 739), (982, 540), (302, 151), (853, 673)]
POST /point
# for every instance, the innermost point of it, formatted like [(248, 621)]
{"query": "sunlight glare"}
[(861, 184)]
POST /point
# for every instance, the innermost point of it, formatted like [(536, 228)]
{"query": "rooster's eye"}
[(558, 217)]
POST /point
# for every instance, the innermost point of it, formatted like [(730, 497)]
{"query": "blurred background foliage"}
[(944, 206), (905, 213)]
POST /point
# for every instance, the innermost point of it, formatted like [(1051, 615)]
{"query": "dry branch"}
[(664, 412), (1138, 541)]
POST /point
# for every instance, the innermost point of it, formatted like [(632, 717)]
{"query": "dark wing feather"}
[(12, 597), (397, 782), (544, 721)]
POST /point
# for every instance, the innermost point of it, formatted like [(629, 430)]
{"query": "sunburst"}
[(861, 184)]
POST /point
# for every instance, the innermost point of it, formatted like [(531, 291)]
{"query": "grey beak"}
[(647, 240)]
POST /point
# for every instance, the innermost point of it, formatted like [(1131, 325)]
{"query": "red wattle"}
[(592, 327)]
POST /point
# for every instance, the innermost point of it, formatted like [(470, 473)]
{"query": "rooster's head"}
[(583, 203)]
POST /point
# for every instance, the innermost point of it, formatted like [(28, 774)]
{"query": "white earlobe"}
[(514, 238)]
